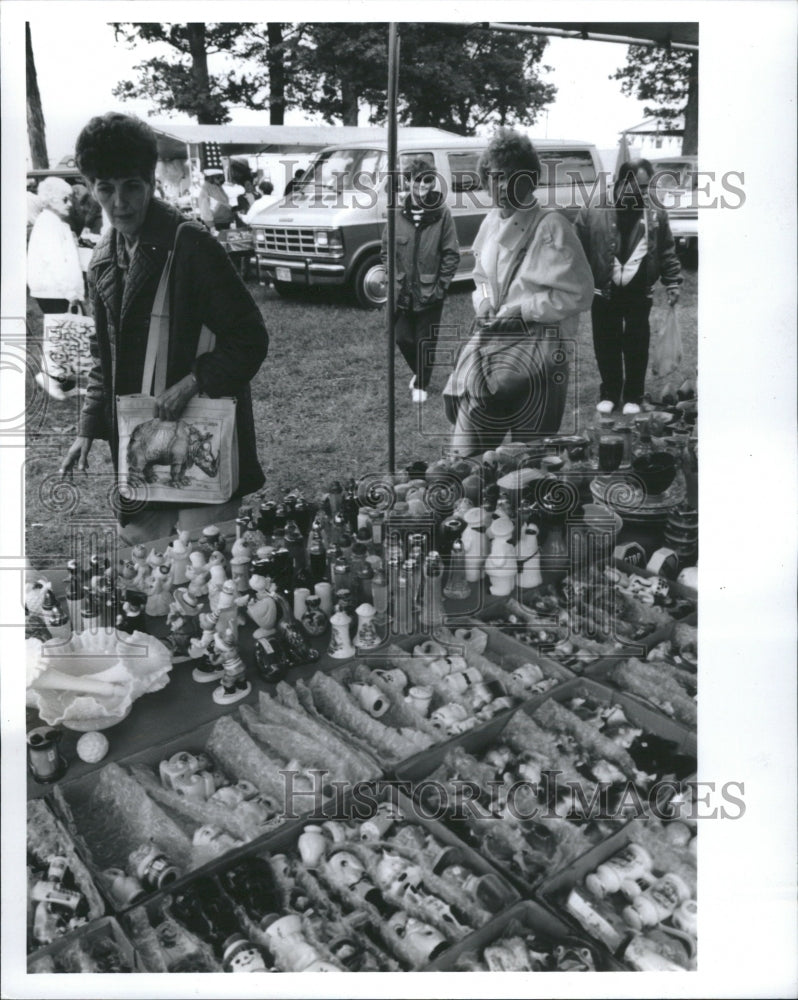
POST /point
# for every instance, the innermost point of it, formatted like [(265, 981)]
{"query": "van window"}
[(464, 168), (336, 169), (562, 167)]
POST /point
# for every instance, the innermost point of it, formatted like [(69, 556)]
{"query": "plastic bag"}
[(667, 353)]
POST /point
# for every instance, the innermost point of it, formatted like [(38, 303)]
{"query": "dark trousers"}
[(621, 335), (53, 305), (416, 333)]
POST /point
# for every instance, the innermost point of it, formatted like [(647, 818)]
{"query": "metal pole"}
[(393, 80), (589, 36)]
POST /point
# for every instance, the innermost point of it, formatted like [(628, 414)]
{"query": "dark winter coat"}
[(427, 256), (204, 289), (597, 229)]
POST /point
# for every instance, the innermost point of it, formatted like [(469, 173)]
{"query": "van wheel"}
[(370, 284)]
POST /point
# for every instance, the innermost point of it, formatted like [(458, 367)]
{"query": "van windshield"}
[(337, 169), (561, 167)]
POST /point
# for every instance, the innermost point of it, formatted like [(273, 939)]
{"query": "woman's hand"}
[(78, 452), (485, 312), (171, 403)]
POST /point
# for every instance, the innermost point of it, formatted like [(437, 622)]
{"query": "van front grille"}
[(287, 240)]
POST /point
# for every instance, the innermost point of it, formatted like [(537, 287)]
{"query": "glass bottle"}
[(404, 605), (432, 594), (334, 497), (362, 572), (56, 620), (379, 594), (457, 586), (350, 506), (295, 544), (72, 588), (317, 557), (266, 517), (342, 575)]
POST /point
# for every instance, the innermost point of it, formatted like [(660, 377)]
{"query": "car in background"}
[(328, 231), (675, 185)]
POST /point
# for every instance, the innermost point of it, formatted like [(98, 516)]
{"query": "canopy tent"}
[(182, 141)]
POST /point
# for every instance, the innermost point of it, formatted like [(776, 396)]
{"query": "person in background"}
[(298, 175), (630, 246), (34, 204), (214, 205), (267, 198), (55, 278), (427, 256), (117, 155), (532, 281)]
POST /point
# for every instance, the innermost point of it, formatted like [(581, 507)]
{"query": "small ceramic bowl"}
[(656, 471)]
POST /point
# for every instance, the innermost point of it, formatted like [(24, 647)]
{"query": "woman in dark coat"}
[(630, 246), (117, 156)]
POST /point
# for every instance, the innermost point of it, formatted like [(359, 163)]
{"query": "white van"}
[(328, 230)]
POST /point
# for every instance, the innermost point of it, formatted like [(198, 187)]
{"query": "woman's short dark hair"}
[(419, 166), (629, 170), (116, 145), (511, 153), (266, 187)]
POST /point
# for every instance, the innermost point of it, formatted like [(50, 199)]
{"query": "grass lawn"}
[(320, 405)]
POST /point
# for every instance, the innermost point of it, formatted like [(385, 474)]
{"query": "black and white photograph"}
[(398, 455)]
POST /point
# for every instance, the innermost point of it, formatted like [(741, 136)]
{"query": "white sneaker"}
[(419, 395), (630, 408), (605, 406)]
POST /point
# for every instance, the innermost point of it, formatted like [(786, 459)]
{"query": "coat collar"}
[(513, 231), (155, 240)]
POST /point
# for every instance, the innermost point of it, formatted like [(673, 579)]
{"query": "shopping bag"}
[(66, 355), (190, 460), (667, 354)]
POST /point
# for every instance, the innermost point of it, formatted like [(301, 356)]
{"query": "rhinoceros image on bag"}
[(190, 460), (175, 443)]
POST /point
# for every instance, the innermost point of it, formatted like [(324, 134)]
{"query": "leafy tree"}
[(451, 76), (35, 115), (669, 79), (340, 65), (457, 77), (185, 84)]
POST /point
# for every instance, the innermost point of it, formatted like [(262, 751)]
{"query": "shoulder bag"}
[(190, 460)]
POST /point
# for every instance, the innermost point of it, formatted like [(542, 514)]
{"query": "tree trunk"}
[(349, 100), (690, 138), (199, 71), (36, 134), (276, 63)]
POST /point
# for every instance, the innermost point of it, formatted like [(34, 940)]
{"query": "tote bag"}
[(66, 354), (497, 365), (190, 460)]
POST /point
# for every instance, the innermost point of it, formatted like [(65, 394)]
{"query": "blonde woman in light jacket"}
[(532, 280), (55, 277)]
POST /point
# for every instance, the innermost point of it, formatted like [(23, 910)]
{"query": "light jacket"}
[(214, 205), (597, 229), (54, 270), (204, 289), (426, 256), (551, 284)]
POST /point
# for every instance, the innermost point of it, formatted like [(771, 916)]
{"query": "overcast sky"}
[(588, 104)]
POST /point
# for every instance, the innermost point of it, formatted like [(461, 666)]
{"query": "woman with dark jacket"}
[(117, 156), (630, 246), (427, 256)]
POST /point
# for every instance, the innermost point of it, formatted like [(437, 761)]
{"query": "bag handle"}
[(157, 354), (515, 263)]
